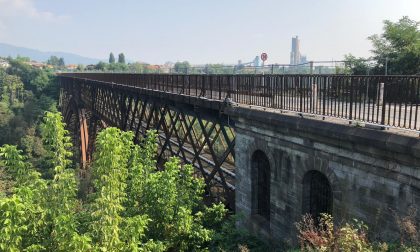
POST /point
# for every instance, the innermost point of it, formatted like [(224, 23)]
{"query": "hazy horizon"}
[(199, 31)]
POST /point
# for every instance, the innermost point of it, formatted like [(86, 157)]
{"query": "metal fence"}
[(384, 100), (312, 67)]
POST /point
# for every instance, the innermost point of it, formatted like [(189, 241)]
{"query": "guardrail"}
[(390, 101)]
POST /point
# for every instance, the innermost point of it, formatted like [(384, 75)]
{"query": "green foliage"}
[(323, 236), (100, 66), (13, 225), (22, 69), (121, 58), (229, 238), (80, 67), (14, 163), (21, 214), (169, 199), (397, 49), (133, 207), (218, 69), (141, 165), (182, 67), (110, 174), (356, 66), (22, 58), (56, 140), (111, 58), (63, 188), (400, 44), (56, 62), (41, 81), (116, 67), (49, 218), (137, 67), (11, 90), (25, 94)]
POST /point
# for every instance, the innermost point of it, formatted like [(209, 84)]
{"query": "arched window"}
[(317, 194), (261, 184)]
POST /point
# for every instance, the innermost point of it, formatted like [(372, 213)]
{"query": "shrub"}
[(324, 237)]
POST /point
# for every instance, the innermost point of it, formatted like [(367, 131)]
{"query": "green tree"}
[(182, 67), (12, 89), (117, 67), (101, 66), (22, 58), (53, 60), (49, 207), (25, 94), (80, 67), (61, 62), (41, 81), (356, 66), (134, 206), (110, 173), (22, 216), (218, 69), (136, 67), (121, 58), (56, 62), (111, 58), (22, 69), (62, 202), (400, 45)]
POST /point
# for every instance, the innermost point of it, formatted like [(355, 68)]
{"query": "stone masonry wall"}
[(373, 174)]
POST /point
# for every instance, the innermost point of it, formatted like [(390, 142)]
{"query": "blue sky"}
[(200, 31)]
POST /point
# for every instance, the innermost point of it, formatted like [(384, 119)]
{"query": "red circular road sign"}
[(264, 56)]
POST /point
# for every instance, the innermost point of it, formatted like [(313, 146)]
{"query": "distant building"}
[(256, 61), (153, 67), (90, 67), (39, 65), (4, 63), (303, 59), (295, 55), (71, 67), (168, 64), (167, 67)]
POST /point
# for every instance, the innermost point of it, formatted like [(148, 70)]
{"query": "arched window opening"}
[(317, 194), (261, 188)]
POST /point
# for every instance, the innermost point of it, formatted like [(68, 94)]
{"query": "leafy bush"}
[(230, 238), (132, 207), (322, 236)]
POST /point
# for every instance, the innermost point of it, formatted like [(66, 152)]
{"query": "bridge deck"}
[(390, 101)]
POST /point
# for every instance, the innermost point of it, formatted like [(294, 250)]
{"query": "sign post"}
[(264, 57)]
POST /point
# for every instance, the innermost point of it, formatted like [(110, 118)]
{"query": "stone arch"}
[(261, 180), (317, 195)]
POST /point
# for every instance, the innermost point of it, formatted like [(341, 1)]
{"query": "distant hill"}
[(69, 58)]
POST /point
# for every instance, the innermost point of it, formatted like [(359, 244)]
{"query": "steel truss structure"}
[(388, 101), (200, 136)]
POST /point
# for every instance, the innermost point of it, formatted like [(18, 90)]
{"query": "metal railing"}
[(390, 101), (335, 67)]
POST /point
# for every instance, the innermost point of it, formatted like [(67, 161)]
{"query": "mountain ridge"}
[(7, 50)]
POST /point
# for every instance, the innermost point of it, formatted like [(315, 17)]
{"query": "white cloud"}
[(18, 15), (10, 9)]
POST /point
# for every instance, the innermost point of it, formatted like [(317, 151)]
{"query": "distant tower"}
[(295, 53), (256, 61)]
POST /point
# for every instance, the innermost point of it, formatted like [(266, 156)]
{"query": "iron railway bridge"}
[(189, 111)]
